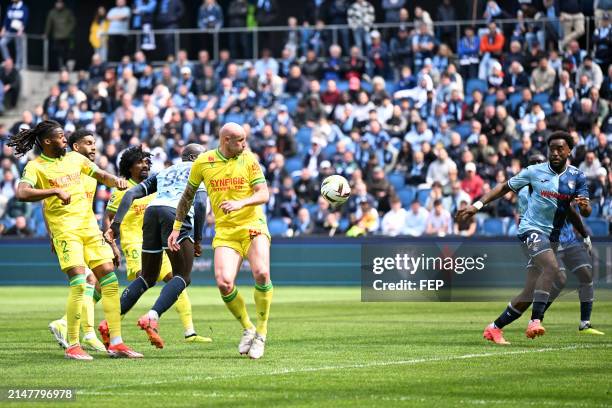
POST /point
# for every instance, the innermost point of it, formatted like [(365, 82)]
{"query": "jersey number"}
[(532, 240)]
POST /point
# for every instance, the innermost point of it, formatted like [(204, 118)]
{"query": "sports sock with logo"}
[(235, 303), (132, 293), (508, 316), (112, 306), (74, 308), (263, 300), (169, 294)]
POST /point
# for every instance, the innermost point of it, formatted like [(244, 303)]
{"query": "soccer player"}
[(134, 165), (55, 176), (83, 142), (554, 185), (237, 188), (571, 253), (157, 225)]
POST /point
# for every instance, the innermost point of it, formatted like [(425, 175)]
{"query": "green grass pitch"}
[(325, 348)]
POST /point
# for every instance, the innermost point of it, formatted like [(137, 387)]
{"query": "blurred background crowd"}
[(420, 120)]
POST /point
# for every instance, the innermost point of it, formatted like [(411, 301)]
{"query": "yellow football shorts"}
[(239, 239), (133, 262), (85, 248)]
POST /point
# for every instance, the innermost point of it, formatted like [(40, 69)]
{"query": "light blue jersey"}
[(169, 184), (550, 198), (567, 236)]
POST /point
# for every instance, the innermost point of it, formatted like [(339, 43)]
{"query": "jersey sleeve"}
[(582, 190), (87, 166), (115, 200), (196, 173), (520, 180), (254, 170), (30, 175), (150, 185)]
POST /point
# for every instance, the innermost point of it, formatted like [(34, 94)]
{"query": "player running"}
[(237, 188), (83, 142), (134, 165), (554, 185), (157, 225), (571, 252), (55, 176)]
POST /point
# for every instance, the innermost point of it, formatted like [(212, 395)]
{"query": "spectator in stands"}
[(591, 165), (584, 117), (438, 170), (423, 44), (266, 14), (472, 183), (366, 219), (97, 35), (439, 221), (465, 228), (542, 78), (210, 15), (237, 17), (401, 50), (169, 14), (11, 83), (491, 48), (394, 221), (572, 21), (379, 186), (468, 49), (59, 27), (13, 28), (119, 24), (302, 225), (378, 56), (20, 229), (591, 70), (360, 17), (416, 220), (516, 79)]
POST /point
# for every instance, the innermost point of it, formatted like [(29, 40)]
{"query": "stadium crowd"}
[(420, 124)]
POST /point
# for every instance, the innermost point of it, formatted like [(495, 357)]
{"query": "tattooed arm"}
[(181, 212)]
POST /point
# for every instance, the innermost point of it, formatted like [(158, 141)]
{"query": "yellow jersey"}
[(229, 179), (65, 173), (91, 185), (131, 226)]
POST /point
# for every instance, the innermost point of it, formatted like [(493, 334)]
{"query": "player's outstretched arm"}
[(132, 194), (182, 209), (109, 180), (25, 192), (260, 195), (499, 191)]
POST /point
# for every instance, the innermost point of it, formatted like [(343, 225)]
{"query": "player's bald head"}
[(232, 130), (191, 152)]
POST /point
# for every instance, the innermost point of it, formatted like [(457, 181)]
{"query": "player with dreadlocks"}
[(55, 177), (134, 166), (83, 142)]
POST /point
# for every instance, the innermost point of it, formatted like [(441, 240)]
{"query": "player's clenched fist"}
[(121, 183), (466, 213), (64, 196)]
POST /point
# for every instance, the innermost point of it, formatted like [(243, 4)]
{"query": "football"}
[(336, 190)]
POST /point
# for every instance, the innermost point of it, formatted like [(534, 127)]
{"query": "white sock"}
[(584, 323), (89, 336), (116, 340), (189, 332), (493, 326), (153, 315)]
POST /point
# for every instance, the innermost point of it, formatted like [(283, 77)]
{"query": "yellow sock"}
[(263, 299), (87, 314), (74, 307), (111, 305), (183, 308), (235, 303)]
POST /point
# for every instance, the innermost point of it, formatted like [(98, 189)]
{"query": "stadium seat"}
[(304, 135), (277, 227), (293, 164), (329, 151), (493, 227), (397, 180), (463, 129), (423, 195), (342, 86), (366, 86), (542, 98), (234, 117), (473, 84), (596, 210), (291, 103), (514, 99), (598, 227), (406, 196), (490, 99)]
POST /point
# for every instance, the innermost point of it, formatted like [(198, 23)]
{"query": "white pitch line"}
[(98, 391)]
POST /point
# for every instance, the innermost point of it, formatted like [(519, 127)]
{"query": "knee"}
[(225, 285), (261, 273)]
